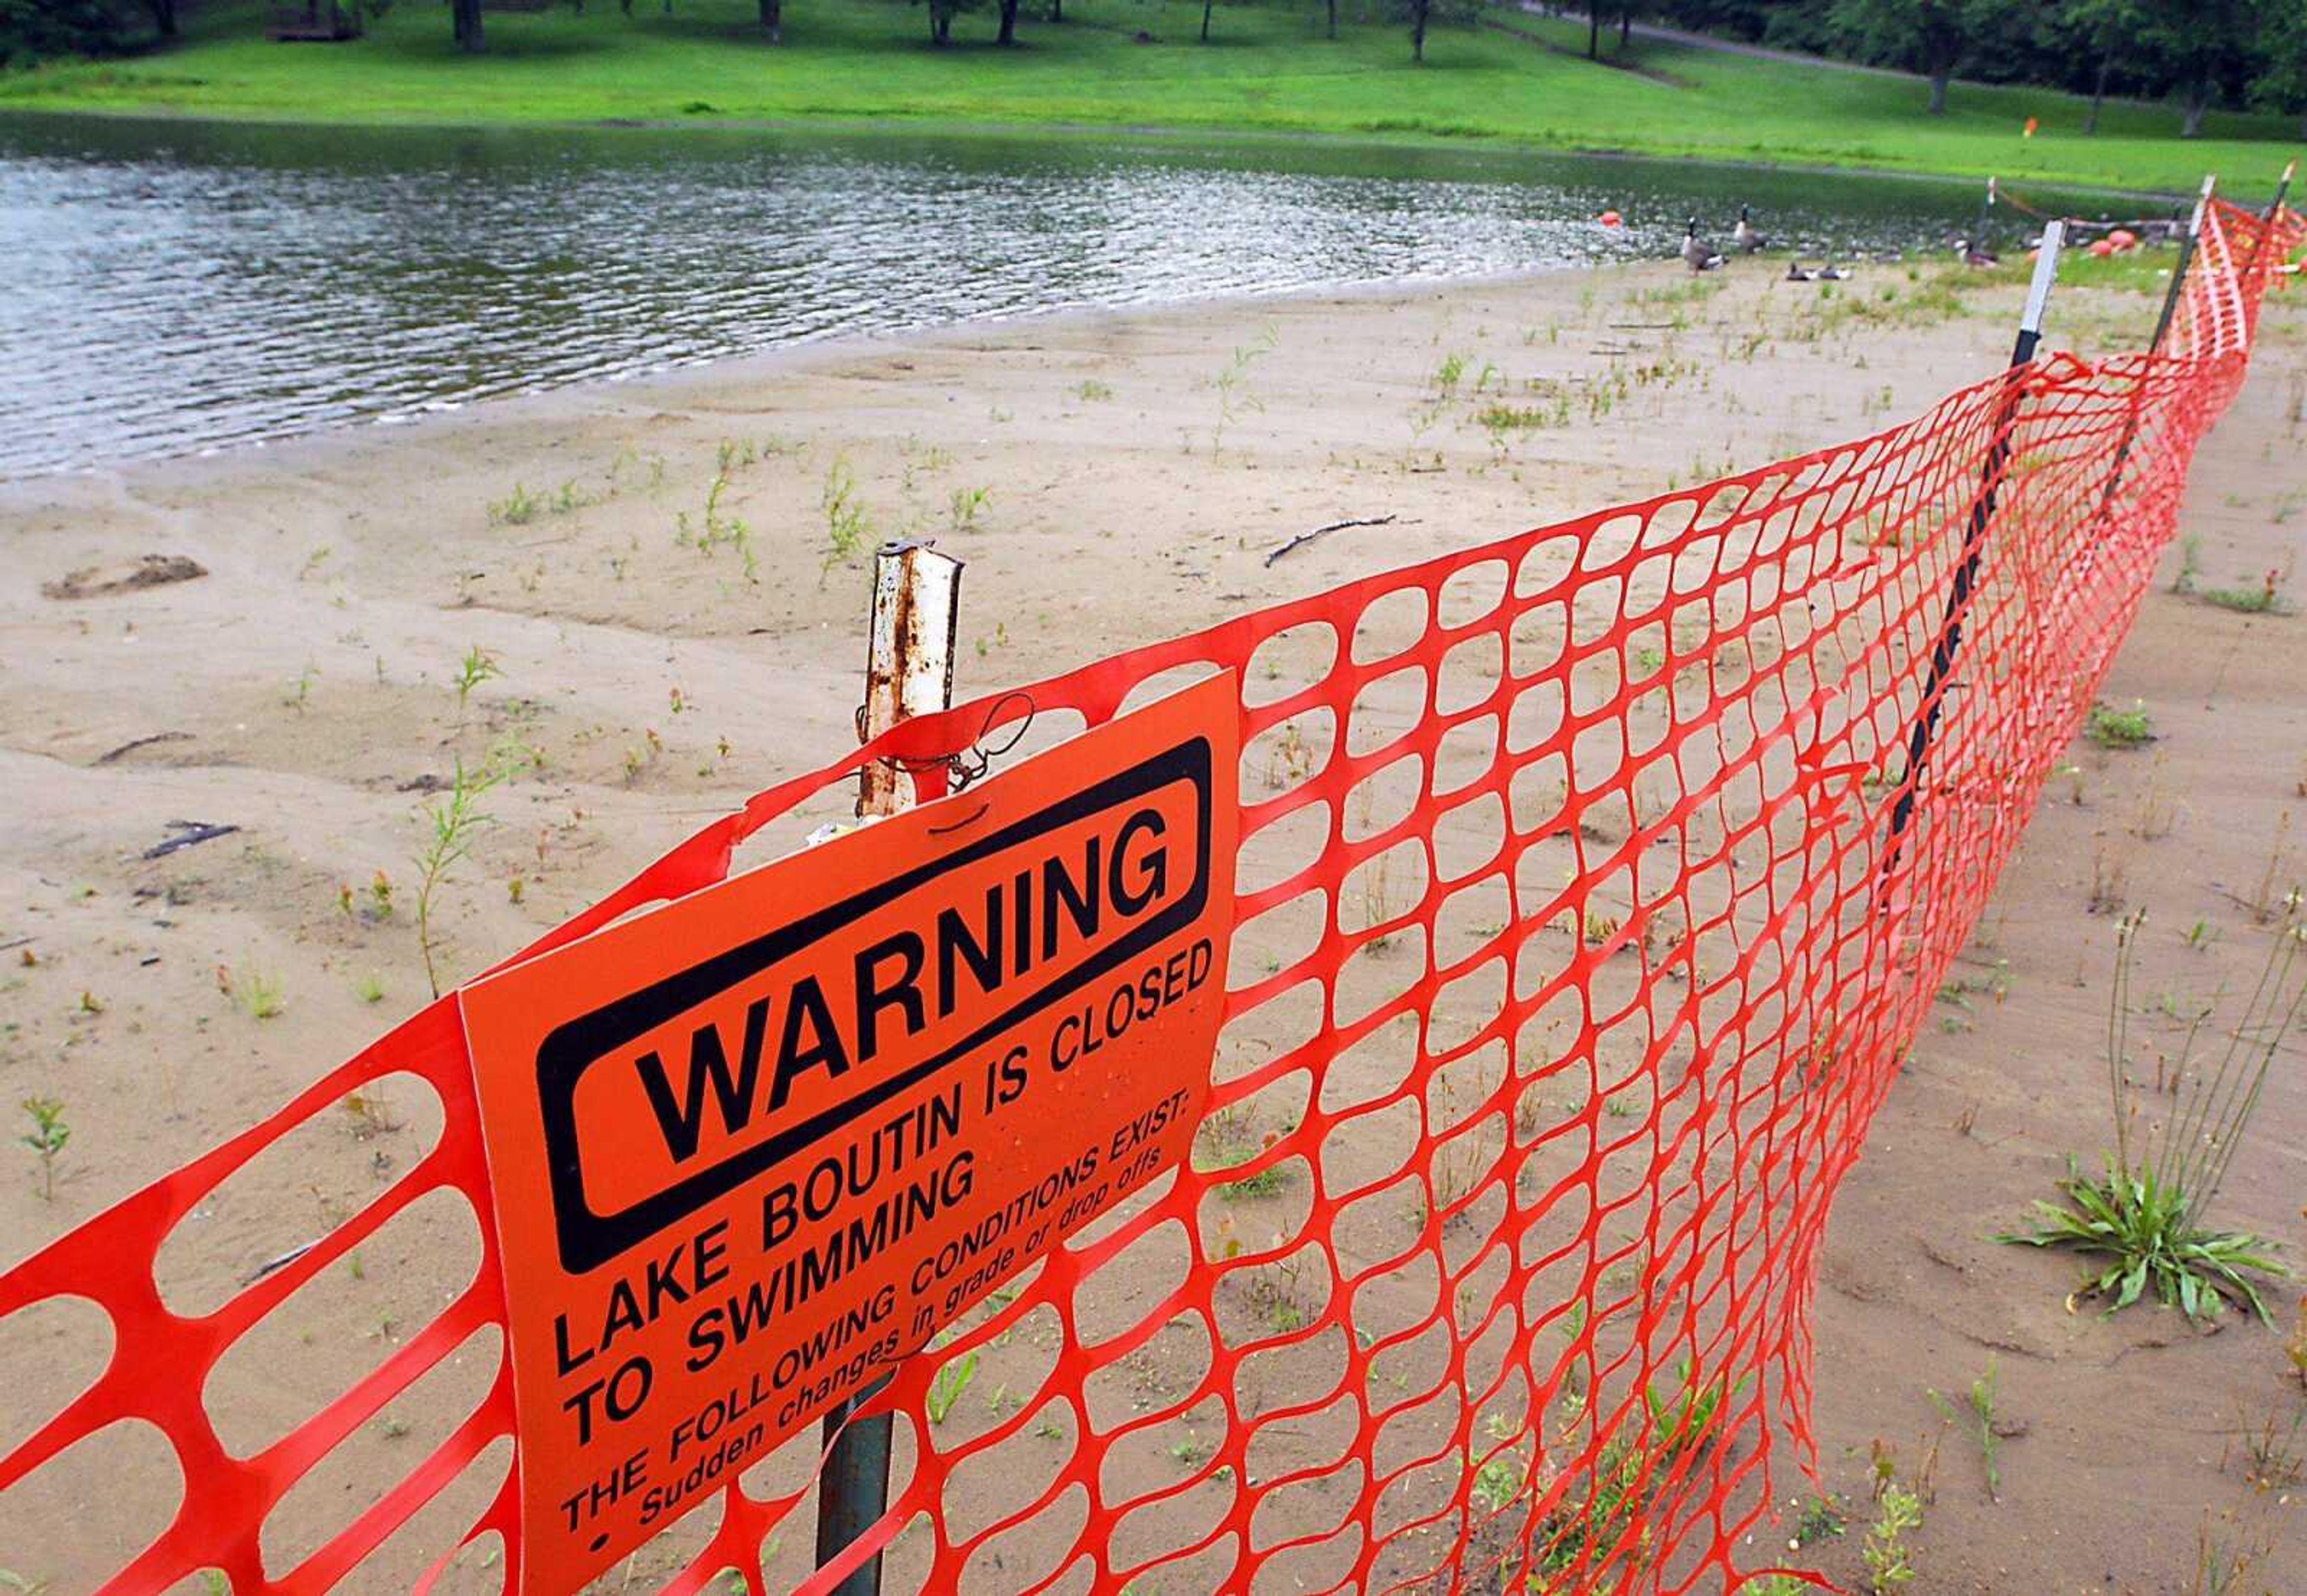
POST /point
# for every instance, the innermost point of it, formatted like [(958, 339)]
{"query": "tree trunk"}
[(1057, 11), (164, 17), (1594, 30), (773, 19), (1625, 28), (940, 24), (1008, 34), (1939, 78), (467, 15), (1205, 18), (2099, 91), (1334, 19), (2199, 100), (1417, 10)]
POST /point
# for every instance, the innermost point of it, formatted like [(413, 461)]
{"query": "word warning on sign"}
[(753, 1147)]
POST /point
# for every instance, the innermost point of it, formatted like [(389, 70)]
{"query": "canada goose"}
[(1974, 254), (1744, 235), (1694, 254)]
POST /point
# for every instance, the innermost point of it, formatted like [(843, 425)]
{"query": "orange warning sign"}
[(752, 1147)]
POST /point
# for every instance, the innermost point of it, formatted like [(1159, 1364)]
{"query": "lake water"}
[(182, 286)]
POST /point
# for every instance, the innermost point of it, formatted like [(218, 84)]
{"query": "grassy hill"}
[(1515, 77)]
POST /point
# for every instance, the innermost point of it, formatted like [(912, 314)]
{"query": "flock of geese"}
[(1700, 255)]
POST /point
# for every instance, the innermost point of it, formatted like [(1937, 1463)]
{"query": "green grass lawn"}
[(1268, 69)]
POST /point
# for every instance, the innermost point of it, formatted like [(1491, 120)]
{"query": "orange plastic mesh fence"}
[(1588, 899)]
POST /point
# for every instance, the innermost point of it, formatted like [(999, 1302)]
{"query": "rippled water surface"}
[(181, 287)]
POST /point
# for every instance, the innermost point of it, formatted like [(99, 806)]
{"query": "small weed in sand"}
[(2223, 1554), (962, 505), (1292, 760), (369, 988), (2265, 599), (23, 1584), (1981, 1419), (1190, 1451), (951, 1381), (300, 691), (47, 1139), (516, 509), (1630, 1467), (477, 666), (454, 821), (369, 1113), (1235, 398), (1090, 390), (848, 524), (2111, 727), (2274, 1455), (1890, 1562), (1500, 1478), (2145, 1215), (1227, 1144), (2190, 563), (1274, 1294), (1775, 1584), (1377, 902), (1821, 1519), (2267, 901), (259, 994), (380, 896)]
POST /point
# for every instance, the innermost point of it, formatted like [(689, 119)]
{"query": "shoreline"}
[(759, 365), (900, 124)]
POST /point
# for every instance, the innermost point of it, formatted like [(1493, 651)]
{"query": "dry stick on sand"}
[(1306, 538)]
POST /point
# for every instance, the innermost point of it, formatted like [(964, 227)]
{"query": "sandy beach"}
[(639, 603)]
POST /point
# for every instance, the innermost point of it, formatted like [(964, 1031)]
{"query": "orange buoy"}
[(2102, 247), (1611, 219), (2124, 238), (2028, 132)]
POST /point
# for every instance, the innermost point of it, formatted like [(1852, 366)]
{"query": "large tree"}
[(941, 15), (465, 17), (1931, 36), (2202, 44), (2108, 31)]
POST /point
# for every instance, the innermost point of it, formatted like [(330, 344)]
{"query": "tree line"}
[(2240, 52), (2205, 52)]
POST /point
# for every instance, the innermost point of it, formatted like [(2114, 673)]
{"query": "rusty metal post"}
[(909, 660), (908, 672)]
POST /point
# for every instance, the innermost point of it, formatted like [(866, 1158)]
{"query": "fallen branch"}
[(1306, 538), (192, 832), (131, 746)]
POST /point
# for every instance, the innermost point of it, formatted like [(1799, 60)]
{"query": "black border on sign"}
[(588, 1239)]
